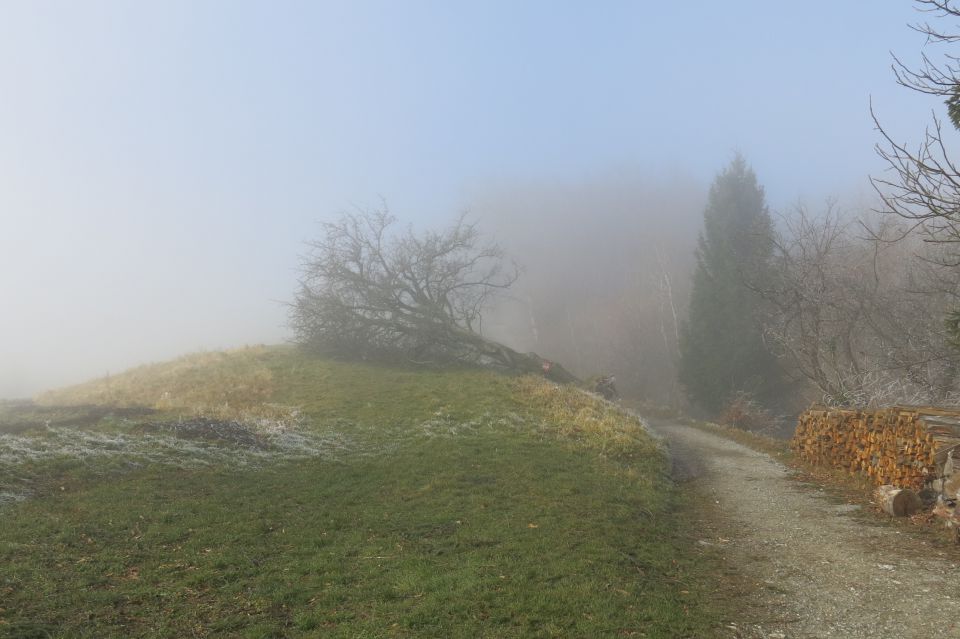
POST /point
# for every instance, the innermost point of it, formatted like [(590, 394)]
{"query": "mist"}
[(606, 267), (89, 295), (162, 166)]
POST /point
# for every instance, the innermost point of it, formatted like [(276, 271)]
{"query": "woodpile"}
[(904, 446)]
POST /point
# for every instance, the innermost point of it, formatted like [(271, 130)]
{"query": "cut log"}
[(897, 502)]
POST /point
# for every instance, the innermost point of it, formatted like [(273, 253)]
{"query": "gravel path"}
[(816, 570)]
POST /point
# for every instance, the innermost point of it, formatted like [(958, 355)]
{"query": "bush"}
[(744, 412)]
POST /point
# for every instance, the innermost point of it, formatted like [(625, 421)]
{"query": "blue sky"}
[(161, 163)]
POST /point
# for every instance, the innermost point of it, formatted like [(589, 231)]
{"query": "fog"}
[(161, 165), (606, 269)]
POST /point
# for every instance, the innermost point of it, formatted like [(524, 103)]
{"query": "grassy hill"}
[(261, 493)]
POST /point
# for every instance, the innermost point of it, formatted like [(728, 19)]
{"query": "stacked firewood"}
[(903, 446)]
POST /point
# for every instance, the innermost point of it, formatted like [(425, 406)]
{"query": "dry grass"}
[(574, 414), (235, 384)]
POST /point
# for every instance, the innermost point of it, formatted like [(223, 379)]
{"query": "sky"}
[(161, 164)]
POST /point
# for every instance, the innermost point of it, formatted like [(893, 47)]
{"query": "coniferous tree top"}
[(722, 348), (736, 220)]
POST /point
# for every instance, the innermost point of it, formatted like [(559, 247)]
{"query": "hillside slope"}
[(260, 493)]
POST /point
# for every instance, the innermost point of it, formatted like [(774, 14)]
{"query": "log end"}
[(897, 502)]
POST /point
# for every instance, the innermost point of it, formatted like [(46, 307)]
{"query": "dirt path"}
[(815, 568)]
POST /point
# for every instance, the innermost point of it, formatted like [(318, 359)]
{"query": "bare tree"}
[(369, 290), (923, 183), (857, 316)]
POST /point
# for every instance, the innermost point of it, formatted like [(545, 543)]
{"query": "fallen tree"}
[(369, 291)]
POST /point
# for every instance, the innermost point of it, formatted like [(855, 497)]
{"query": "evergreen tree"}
[(722, 348)]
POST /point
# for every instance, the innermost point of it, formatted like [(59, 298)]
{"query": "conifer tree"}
[(722, 347)]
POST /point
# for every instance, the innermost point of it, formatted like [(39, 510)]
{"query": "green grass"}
[(469, 505)]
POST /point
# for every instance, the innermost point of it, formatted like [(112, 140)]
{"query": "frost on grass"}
[(9, 496), (190, 443), (178, 444), (442, 424)]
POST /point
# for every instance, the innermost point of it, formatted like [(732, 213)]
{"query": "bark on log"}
[(897, 502)]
